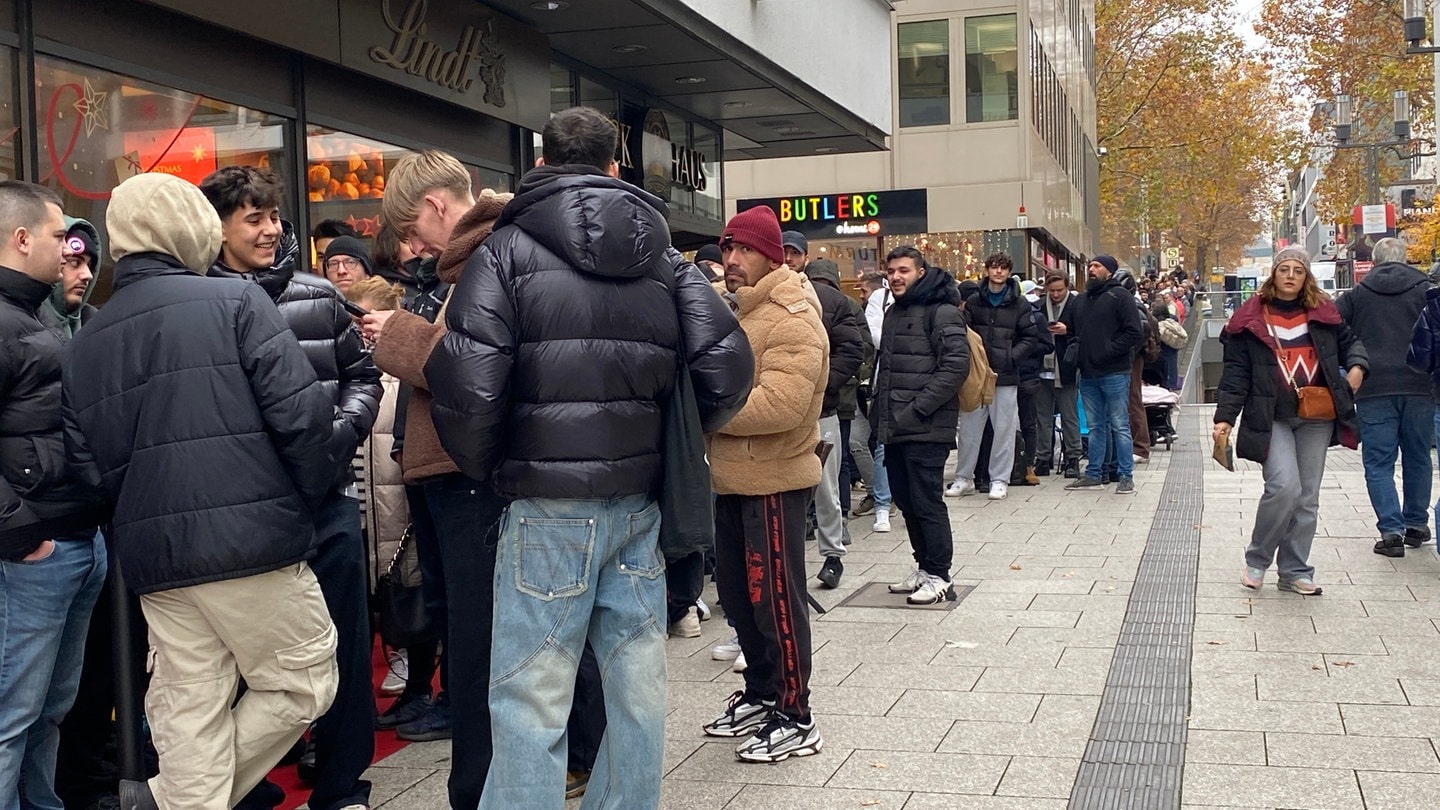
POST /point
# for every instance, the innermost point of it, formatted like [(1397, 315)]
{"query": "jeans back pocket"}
[(554, 556), (641, 553)]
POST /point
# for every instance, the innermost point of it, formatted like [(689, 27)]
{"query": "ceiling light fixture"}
[(550, 5), (629, 48), (827, 149), (691, 80), (735, 105)]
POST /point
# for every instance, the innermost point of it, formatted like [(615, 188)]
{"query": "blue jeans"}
[(1107, 404), (880, 487), (1391, 426), (44, 616), (568, 571)]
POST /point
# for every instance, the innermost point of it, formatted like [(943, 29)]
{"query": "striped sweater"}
[(1295, 350)]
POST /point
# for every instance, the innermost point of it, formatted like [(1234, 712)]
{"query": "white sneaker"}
[(932, 591), (399, 666), (910, 583), (961, 488), (688, 626), (1141, 459), (998, 490), (882, 520), (740, 664), (703, 609), (726, 650)]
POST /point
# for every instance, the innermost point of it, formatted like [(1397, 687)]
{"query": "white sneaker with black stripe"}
[(742, 716), (911, 583), (781, 738), (933, 591)]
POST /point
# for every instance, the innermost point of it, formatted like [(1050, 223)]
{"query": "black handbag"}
[(404, 618), (687, 509)]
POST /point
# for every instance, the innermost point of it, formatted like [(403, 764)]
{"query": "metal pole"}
[(129, 678), (1372, 175)]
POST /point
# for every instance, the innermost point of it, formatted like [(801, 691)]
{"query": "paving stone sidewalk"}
[(1296, 702)]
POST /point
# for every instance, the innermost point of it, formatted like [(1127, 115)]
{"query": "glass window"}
[(992, 82), (598, 96), (562, 89), (709, 201), (9, 131), (924, 73), (98, 128)]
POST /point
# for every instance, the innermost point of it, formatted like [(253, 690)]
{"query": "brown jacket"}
[(769, 446), (406, 340)]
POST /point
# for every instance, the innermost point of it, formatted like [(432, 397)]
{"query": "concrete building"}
[(993, 149)]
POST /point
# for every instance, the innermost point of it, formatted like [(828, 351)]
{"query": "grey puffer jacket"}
[(311, 306), (562, 340)]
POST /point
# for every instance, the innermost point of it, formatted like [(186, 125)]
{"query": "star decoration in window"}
[(91, 107), (198, 154)]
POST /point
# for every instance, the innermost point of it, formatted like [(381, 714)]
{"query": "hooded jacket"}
[(1008, 329), (196, 405), (43, 495), (1391, 294), (840, 316), (1107, 329), (923, 360), (311, 306), (562, 342), (56, 313), (1251, 378)]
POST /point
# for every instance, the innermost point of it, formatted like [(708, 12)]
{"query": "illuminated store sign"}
[(863, 214)]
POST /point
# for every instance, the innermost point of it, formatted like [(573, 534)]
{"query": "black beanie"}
[(348, 246)]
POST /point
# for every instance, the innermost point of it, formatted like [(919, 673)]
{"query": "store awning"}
[(672, 50)]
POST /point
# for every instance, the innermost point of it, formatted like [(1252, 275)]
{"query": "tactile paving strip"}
[(1136, 751)]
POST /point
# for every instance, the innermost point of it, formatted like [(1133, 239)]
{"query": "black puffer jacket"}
[(311, 306), (206, 423), (923, 359), (1108, 329), (1009, 330), (837, 314), (562, 342), (42, 496), (1034, 363)]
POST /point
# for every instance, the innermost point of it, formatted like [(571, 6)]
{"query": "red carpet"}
[(386, 743)]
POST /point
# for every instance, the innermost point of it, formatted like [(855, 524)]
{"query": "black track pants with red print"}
[(760, 575)]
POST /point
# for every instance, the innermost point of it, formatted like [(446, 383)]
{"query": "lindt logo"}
[(411, 51)]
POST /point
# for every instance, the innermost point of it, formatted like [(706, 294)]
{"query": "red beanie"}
[(758, 228)]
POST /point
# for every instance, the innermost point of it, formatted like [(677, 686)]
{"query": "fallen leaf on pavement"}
[(1014, 568), (961, 645), (1344, 664), (1216, 643), (879, 765)]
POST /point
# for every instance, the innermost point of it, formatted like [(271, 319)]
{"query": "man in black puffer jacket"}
[(208, 428), (1006, 322), (552, 382), (923, 360), (258, 245)]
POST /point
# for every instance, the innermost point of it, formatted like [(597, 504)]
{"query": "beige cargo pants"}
[(271, 629)]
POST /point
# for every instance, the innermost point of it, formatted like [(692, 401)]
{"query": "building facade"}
[(331, 93), (993, 148)]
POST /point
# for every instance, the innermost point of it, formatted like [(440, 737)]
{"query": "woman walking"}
[(1285, 349)]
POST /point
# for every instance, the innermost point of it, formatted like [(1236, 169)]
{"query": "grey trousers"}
[(1288, 513), (1004, 416), (829, 523), (1065, 399), (860, 448)]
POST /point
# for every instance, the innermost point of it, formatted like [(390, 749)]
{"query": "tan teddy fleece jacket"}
[(769, 446)]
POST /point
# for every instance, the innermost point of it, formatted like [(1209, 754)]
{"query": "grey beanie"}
[(1292, 253)]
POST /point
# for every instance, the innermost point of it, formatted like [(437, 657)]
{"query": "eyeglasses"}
[(342, 261), (1290, 270)]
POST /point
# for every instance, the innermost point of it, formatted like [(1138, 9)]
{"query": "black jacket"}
[(847, 348), (1066, 348), (1034, 363), (1380, 308), (924, 358), (207, 426), (1250, 380), (1009, 330), (1108, 329), (42, 496), (562, 340), (311, 306)]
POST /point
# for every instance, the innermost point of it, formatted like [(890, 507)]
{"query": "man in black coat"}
[(1396, 411), (1108, 332), (208, 428), (1058, 392), (258, 246), (923, 361), (1005, 321), (52, 561), (551, 383), (847, 351)]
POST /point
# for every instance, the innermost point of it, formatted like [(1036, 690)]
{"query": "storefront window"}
[(992, 81), (709, 201), (962, 253), (97, 129), (562, 89), (598, 96), (9, 132), (924, 73)]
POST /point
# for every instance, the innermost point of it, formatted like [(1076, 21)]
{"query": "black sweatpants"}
[(917, 483), (684, 582), (760, 575)]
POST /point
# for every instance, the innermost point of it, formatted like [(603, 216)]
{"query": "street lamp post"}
[(1402, 146)]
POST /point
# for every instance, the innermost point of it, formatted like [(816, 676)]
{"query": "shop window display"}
[(97, 129), (9, 131)]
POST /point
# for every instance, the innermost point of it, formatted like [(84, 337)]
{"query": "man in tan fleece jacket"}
[(765, 469)]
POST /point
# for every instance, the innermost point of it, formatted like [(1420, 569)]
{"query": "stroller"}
[(1160, 407)]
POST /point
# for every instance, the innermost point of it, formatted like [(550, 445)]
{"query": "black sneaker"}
[(867, 506), (406, 709), (1072, 471), (781, 738), (433, 725), (742, 715), (1042, 470), (1390, 545), (1084, 483), (1417, 537), (1126, 486), (830, 572)]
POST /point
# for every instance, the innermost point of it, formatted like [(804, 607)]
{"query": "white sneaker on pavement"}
[(910, 583), (688, 625), (399, 665), (703, 609), (933, 591), (740, 664), (726, 650), (961, 488), (998, 490), (882, 520)]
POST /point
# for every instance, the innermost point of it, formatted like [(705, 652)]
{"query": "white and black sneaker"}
[(910, 583), (932, 592), (781, 738), (742, 716)]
